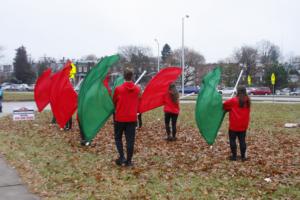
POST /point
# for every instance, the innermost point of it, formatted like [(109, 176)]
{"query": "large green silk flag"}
[(117, 82), (94, 102), (209, 113)]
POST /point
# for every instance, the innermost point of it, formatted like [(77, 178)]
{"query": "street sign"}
[(273, 79), (23, 113), (73, 71), (249, 80)]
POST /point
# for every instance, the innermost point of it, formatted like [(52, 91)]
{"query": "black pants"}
[(69, 124), (140, 122), (53, 121), (242, 140), (171, 117), (129, 129)]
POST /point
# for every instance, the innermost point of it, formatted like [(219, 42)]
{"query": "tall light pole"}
[(182, 54), (157, 54)]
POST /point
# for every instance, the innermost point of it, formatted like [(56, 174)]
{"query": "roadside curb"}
[(11, 185)]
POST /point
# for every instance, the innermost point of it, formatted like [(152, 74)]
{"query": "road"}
[(261, 99), (9, 106)]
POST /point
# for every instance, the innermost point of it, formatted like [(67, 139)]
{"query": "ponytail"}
[(244, 100)]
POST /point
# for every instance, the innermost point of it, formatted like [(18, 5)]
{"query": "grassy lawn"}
[(18, 96), (55, 166)]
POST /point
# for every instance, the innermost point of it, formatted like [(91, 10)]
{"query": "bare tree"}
[(90, 57), (193, 60), (137, 57), (248, 56), (1, 55), (268, 53)]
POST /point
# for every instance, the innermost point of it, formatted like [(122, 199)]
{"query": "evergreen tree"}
[(166, 53), (22, 68), (280, 74)]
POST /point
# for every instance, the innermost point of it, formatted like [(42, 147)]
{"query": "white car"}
[(227, 91), (296, 92)]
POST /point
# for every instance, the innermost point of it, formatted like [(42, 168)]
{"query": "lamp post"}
[(182, 54), (157, 54)]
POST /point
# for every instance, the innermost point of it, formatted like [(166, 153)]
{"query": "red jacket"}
[(169, 105), (126, 99), (238, 117)]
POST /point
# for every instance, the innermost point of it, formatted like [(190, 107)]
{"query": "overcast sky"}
[(74, 28)]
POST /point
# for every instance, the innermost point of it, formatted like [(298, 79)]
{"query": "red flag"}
[(157, 88), (42, 90), (63, 98), (106, 84)]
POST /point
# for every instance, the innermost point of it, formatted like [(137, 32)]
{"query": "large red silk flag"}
[(63, 98), (42, 90), (156, 89)]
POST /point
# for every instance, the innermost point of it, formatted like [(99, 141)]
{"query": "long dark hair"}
[(173, 93), (244, 99)]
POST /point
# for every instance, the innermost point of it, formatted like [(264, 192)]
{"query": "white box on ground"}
[(23, 113)]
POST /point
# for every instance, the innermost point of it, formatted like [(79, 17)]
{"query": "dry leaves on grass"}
[(188, 164)]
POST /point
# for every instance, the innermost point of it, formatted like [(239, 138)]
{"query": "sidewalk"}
[(11, 186)]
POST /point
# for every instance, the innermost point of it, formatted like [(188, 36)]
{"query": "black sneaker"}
[(244, 159), (120, 161), (85, 143), (128, 164), (168, 138), (173, 138), (232, 158)]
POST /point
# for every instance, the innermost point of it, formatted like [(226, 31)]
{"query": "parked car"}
[(261, 91), (31, 87), (227, 91), (250, 89), (285, 91), (189, 90), (295, 92)]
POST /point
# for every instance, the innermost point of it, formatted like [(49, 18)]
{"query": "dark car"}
[(189, 90), (261, 91)]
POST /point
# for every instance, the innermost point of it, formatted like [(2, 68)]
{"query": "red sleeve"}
[(227, 105)]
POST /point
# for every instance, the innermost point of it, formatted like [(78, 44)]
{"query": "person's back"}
[(126, 99), (169, 105), (171, 110), (238, 116)]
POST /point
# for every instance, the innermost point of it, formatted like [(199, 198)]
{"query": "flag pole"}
[(141, 76), (237, 82), (187, 95)]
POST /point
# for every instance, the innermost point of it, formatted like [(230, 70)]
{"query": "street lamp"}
[(182, 53), (157, 54)]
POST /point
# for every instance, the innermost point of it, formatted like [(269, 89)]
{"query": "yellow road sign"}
[(273, 79), (249, 80), (73, 71)]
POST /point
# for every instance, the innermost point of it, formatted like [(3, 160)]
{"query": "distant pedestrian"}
[(171, 110), (126, 99), (1, 98), (239, 115)]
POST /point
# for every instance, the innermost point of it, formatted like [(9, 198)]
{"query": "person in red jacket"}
[(239, 115), (171, 109), (126, 98)]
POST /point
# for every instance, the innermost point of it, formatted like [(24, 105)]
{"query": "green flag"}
[(117, 82), (209, 111), (94, 102)]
